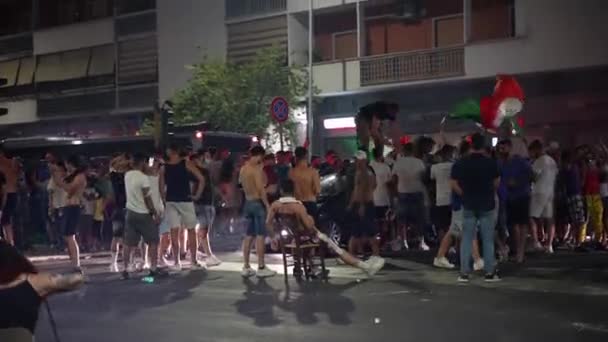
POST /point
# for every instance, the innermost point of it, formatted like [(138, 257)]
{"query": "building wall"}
[(553, 35), (188, 31)]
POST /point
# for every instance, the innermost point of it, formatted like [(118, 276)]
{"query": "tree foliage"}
[(237, 97)]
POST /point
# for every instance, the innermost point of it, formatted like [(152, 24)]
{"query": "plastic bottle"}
[(148, 280)]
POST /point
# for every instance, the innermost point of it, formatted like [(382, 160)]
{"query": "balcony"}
[(239, 8), (412, 66)]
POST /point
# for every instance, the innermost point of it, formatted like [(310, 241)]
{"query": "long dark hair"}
[(13, 264)]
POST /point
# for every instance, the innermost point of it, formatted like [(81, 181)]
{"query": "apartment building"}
[(425, 55), (86, 67)]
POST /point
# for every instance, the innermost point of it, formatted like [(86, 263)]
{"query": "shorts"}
[(181, 215), (518, 211), (71, 220), (411, 209), (205, 215), (576, 209), (10, 207), (456, 223), (311, 209), (442, 216), (541, 206), (138, 226), (164, 226), (255, 214), (364, 226), (118, 223), (381, 212)]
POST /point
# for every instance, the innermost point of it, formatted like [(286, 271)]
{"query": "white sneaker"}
[(132, 268), (478, 265), (423, 245), (177, 267), (114, 267), (265, 273), (247, 272), (443, 263), (372, 266), (405, 245), (550, 249), (199, 266), (213, 261), (146, 266), (374, 260), (538, 247)]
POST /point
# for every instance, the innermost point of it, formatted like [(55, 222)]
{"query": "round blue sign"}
[(279, 109)]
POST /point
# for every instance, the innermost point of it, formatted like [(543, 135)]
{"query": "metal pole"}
[(359, 50), (281, 136), (309, 117)]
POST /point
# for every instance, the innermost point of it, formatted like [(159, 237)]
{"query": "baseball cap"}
[(361, 155)]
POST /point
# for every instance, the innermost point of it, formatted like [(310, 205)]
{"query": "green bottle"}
[(148, 280)]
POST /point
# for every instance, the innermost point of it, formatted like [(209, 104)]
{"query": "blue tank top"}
[(177, 180)]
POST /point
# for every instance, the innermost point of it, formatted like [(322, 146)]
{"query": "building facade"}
[(115, 59)]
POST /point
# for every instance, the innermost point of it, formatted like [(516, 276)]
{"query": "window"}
[(492, 19), (26, 71), (345, 45), (102, 61), (15, 16), (449, 31), (65, 12), (9, 70)]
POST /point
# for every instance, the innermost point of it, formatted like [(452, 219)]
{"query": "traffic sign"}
[(279, 109)]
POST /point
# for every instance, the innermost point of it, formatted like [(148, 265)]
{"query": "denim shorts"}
[(255, 214), (205, 215)]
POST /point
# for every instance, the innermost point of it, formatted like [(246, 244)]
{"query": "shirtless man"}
[(74, 185), (289, 205), (254, 183), (306, 182), (9, 167)]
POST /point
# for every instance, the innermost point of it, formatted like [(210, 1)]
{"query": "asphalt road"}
[(558, 298)]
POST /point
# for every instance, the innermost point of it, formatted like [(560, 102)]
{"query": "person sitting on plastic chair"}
[(288, 205)]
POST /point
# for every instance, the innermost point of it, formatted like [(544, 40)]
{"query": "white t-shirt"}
[(441, 174), (88, 201), (59, 196), (155, 193), (409, 170), (135, 182), (383, 176), (545, 170)]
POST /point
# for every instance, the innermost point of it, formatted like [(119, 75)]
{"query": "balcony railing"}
[(240, 8), (412, 66)]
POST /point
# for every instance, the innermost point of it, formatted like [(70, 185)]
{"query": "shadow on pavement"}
[(308, 301)]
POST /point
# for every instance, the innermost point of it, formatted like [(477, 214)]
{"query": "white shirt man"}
[(545, 171), (409, 171)]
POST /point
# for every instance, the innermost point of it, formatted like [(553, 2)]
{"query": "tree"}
[(236, 97)]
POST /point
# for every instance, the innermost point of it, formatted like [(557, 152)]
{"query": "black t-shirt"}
[(118, 186), (207, 195), (475, 175)]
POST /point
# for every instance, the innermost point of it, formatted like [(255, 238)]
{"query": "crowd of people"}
[(487, 198)]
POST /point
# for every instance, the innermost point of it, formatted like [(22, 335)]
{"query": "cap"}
[(361, 155)]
